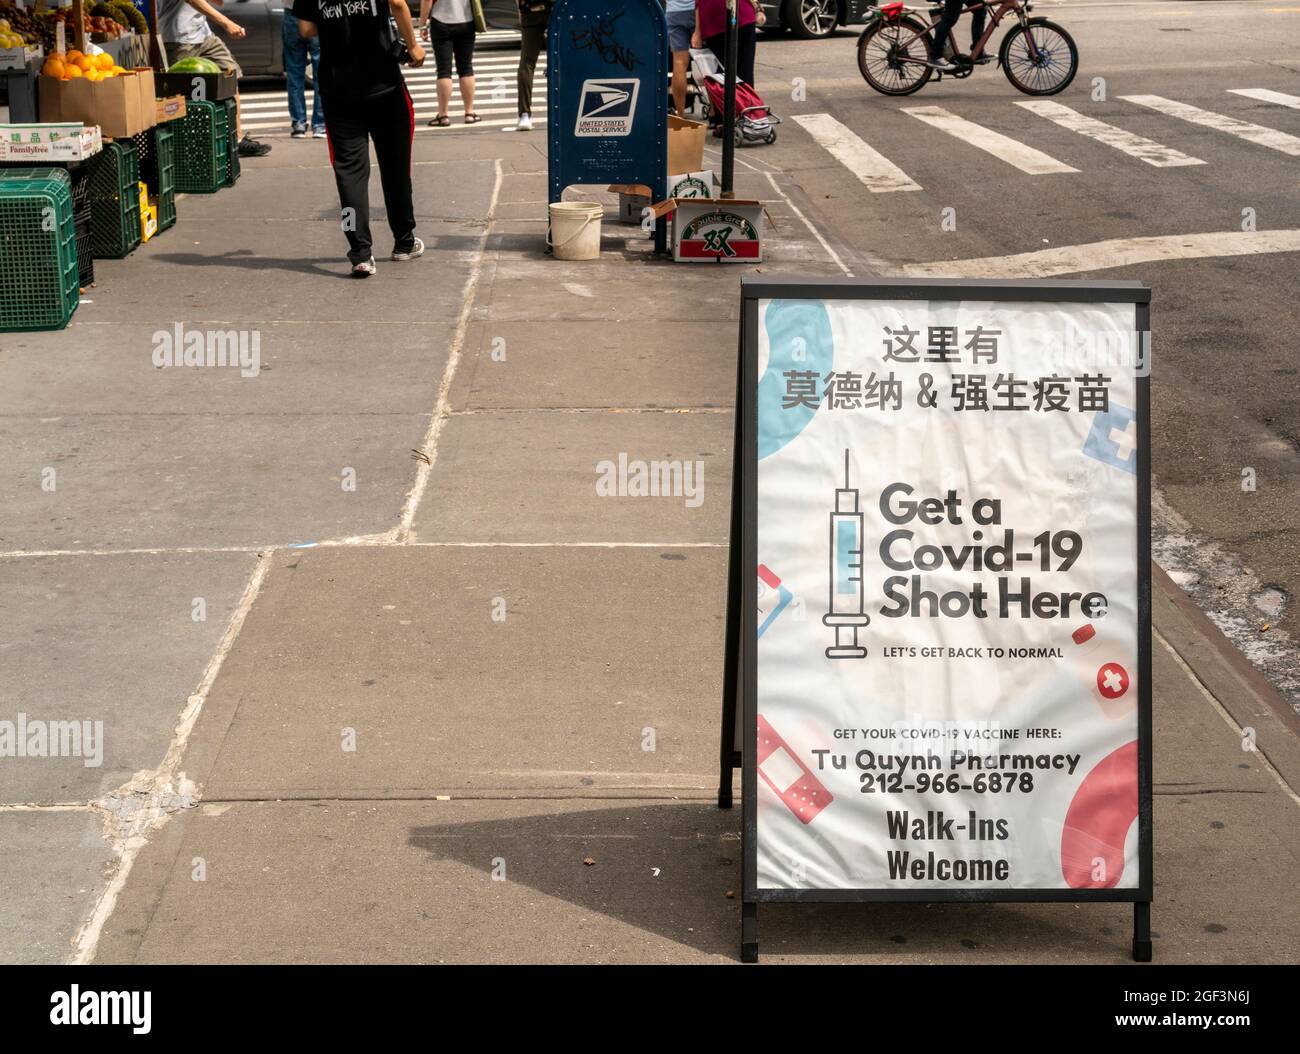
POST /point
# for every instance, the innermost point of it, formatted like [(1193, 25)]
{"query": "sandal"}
[(472, 118), (442, 121)]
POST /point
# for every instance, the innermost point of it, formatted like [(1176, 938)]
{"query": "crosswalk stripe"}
[(876, 172), (1013, 152), (1147, 150), (271, 106), (422, 113), (1116, 252), (1252, 133), (1267, 95)]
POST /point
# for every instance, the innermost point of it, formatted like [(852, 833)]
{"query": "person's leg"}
[(214, 48), (530, 46), (746, 45), (464, 46), (295, 72), (350, 156), (392, 126), (681, 62), (977, 20), (680, 26), (440, 38), (318, 103), (951, 12)]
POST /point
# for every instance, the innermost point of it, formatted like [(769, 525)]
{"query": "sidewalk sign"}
[(607, 118), (938, 653)]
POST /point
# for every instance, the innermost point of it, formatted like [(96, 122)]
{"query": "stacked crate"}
[(38, 250), (202, 150), (156, 148), (115, 200)]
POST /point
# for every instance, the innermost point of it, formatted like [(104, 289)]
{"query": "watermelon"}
[(194, 64)]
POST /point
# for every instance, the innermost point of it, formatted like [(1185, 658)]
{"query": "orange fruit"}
[(72, 73), (85, 62), (74, 54), (53, 67), (104, 61)]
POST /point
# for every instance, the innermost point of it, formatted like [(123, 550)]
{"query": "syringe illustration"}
[(847, 613)]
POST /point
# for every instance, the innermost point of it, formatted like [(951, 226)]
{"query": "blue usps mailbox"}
[(607, 69)]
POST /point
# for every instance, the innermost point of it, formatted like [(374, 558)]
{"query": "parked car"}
[(811, 19), (261, 51)]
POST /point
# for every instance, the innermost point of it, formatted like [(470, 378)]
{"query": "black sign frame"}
[(740, 689)]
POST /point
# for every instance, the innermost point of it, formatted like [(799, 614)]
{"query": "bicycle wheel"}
[(891, 56), (1049, 67)]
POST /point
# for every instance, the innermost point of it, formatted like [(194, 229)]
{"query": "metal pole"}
[(151, 25), (79, 24), (729, 106)]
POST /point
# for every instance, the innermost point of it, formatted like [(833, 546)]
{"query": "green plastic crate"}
[(156, 148), (232, 144), (38, 250), (115, 200), (201, 154), (164, 173)]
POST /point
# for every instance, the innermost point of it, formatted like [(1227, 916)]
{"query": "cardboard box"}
[(721, 230), (691, 185), (113, 104), (148, 214), (145, 89), (171, 108), (685, 144), (17, 58), (633, 197), (49, 142), (630, 206), (200, 87)]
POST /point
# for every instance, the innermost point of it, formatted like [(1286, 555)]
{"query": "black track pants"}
[(388, 121)]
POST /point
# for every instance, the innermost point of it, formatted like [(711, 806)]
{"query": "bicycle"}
[(1037, 56)]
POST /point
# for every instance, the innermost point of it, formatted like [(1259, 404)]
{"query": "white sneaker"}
[(414, 252), (364, 269), (525, 123)]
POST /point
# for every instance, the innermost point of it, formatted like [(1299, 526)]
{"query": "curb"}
[(1228, 676)]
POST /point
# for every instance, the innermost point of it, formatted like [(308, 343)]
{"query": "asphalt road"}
[(1225, 398)]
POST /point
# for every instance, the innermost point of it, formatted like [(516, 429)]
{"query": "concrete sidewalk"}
[(497, 645)]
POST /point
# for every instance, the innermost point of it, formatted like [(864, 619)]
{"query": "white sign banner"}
[(948, 626)]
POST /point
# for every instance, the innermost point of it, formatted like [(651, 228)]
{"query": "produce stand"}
[(102, 133)]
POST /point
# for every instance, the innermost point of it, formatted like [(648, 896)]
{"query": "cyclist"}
[(951, 13)]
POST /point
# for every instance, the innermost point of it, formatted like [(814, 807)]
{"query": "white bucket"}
[(575, 229)]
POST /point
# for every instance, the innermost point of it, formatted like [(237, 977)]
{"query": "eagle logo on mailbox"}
[(607, 106)]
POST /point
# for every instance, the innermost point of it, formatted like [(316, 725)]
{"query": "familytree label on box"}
[(947, 668)]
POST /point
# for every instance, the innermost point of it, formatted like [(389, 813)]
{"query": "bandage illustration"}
[(788, 777)]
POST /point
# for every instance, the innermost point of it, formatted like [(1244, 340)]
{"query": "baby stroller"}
[(755, 123)]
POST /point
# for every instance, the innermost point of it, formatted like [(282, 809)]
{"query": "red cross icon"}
[(1112, 680)]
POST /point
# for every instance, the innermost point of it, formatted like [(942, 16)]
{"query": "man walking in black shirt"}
[(366, 100)]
